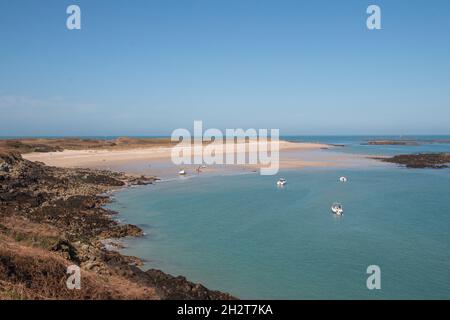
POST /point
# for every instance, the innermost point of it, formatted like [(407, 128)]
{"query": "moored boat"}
[(337, 209)]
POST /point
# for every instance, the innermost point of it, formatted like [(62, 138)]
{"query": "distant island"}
[(401, 142), (391, 142)]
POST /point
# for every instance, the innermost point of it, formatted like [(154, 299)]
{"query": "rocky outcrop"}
[(421, 160)]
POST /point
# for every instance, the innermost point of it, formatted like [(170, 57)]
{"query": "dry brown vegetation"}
[(59, 144), (28, 272)]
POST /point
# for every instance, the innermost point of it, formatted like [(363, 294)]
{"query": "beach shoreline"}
[(156, 160)]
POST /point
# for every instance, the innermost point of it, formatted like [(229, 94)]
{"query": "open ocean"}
[(242, 234)]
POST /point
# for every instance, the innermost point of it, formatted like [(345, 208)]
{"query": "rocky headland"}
[(53, 217)]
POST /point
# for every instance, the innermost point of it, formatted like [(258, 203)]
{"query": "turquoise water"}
[(243, 235)]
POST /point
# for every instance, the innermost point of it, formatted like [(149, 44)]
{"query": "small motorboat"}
[(343, 179), (337, 209), (182, 172), (281, 182)]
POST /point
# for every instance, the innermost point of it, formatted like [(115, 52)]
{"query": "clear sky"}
[(147, 67)]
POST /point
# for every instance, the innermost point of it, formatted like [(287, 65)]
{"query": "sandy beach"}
[(156, 160)]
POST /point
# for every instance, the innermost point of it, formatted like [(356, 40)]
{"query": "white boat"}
[(337, 209), (343, 179), (281, 182), (182, 172)]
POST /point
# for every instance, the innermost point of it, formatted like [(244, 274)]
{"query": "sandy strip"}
[(156, 161)]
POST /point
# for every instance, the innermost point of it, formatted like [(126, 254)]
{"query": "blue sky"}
[(147, 67)]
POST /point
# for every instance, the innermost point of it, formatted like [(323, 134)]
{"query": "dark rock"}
[(421, 160), (123, 230), (179, 288), (67, 249)]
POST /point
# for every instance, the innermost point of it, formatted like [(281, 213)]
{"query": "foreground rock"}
[(422, 160), (53, 217)]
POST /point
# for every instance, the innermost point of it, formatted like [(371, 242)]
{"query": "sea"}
[(241, 234)]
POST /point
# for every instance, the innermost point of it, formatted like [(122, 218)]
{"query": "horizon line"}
[(168, 136)]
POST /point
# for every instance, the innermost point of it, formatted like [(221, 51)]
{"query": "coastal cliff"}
[(53, 217)]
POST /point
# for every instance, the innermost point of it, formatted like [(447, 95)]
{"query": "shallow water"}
[(243, 235)]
